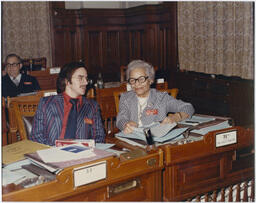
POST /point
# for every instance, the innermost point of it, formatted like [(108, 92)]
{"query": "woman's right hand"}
[(129, 126)]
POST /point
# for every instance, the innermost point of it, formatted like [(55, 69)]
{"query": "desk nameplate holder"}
[(226, 138), (90, 173), (54, 70)]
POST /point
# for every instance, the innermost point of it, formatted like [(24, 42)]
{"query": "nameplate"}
[(226, 138), (46, 94), (55, 70), (90, 173), (160, 80)]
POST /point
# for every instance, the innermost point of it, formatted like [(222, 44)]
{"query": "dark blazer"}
[(47, 123), (158, 105), (27, 84)]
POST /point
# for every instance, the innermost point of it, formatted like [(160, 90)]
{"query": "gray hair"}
[(141, 64)]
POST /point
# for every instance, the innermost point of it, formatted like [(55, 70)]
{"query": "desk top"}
[(67, 181)]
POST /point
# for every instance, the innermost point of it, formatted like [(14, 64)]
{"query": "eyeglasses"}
[(81, 78), (9, 65), (140, 79)]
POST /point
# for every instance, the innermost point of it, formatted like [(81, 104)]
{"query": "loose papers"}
[(66, 153), (157, 137)]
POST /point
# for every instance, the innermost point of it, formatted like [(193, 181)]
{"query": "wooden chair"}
[(13, 123), (13, 126), (106, 101), (173, 92), (24, 113), (4, 124)]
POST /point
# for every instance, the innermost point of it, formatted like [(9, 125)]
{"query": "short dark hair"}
[(66, 73), (12, 55)]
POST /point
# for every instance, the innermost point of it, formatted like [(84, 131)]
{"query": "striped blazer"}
[(158, 105), (47, 123)]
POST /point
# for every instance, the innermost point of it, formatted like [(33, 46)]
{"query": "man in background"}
[(15, 83)]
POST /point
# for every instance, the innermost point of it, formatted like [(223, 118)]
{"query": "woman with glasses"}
[(144, 105)]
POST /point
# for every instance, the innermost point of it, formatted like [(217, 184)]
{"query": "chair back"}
[(24, 113), (173, 92), (45, 78), (106, 101), (13, 126)]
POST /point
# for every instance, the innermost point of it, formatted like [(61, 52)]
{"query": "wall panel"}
[(108, 38)]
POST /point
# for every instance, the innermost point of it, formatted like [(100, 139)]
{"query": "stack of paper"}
[(204, 131), (15, 152), (196, 120), (66, 153), (45, 159)]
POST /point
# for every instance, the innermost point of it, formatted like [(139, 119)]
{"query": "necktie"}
[(15, 80), (72, 121)]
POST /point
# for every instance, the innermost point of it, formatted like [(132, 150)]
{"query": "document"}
[(204, 131), (162, 129), (196, 120), (10, 176), (141, 137), (58, 166), (15, 152), (171, 135), (104, 146), (66, 153)]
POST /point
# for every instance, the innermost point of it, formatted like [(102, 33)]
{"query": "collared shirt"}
[(67, 108), (16, 79)]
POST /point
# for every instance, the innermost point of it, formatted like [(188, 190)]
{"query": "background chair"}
[(24, 113), (173, 92), (106, 101), (13, 126), (45, 78), (35, 63), (4, 124)]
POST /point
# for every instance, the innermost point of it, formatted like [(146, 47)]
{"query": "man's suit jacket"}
[(27, 84), (159, 104), (47, 123)]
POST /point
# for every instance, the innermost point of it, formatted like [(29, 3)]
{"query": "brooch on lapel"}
[(151, 112), (27, 83), (88, 121)]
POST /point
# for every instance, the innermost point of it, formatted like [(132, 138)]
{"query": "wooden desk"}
[(200, 167), (137, 179)]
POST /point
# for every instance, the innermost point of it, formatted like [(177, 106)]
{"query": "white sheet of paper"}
[(57, 154), (204, 131), (162, 129)]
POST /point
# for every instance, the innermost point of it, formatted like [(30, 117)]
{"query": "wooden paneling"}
[(218, 95), (105, 39), (108, 38)]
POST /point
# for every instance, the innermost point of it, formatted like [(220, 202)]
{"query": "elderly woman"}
[(144, 105)]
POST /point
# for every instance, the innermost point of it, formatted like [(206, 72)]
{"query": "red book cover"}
[(64, 142)]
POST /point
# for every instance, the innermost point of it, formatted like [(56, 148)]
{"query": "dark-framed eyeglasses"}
[(140, 79), (9, 65), (80, 78)]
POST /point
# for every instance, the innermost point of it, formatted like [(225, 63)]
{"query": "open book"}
[(161, 133)]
